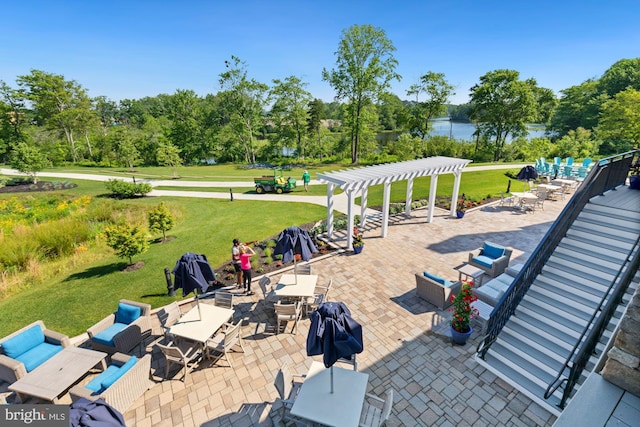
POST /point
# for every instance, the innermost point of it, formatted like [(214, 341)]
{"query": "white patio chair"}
[(223, 299), (223, 342), (168, 316), (267, 290), (352, 361), (374, 416), (288, 389), (286, 313), (319, 296), (186, 354), (304, 269)]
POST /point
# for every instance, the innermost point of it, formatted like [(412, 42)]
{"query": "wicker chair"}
[(126, 390), (127, 335)]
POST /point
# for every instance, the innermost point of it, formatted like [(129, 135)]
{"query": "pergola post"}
[(385, 207), (456, 189), (432, 196), (409, 197), (350, 216), (364, 193), (330, 190)]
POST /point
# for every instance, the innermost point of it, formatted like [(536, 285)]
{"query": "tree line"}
[(48, 119)]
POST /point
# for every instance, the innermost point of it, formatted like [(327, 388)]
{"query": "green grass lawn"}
[(75, 300)]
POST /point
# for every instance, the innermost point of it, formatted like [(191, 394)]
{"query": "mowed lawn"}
[(74, 300)]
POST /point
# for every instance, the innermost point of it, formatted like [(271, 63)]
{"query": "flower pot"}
[(460, 337), (634, 182), (459, 214), (358, 249)]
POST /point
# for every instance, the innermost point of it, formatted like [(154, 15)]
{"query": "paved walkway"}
[(435, 382)]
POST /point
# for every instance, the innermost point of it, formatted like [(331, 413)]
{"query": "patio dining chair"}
[(288, 389), (223, 299), (320, 295), (505, 200), (186, 354), (168, 316), (304, 269), (267, 290), (223, 342), (376, 414), (287, 312)]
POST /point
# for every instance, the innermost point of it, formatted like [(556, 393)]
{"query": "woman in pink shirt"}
[(245, 264)]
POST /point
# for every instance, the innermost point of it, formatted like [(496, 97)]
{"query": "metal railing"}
[(606, 174)]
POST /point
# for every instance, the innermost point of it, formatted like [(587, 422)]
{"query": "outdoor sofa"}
[(26, 349), (491, 258), (435, 289), (493, 290), (122, 330), (121, 384)]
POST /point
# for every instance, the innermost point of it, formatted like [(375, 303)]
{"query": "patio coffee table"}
[(472, 272), (55, 376)]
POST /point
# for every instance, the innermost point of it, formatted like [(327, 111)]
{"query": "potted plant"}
[(463, 312), (358, 243), (634, 175), (461, 206)]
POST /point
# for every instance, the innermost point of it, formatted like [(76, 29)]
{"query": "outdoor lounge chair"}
[(436, 290), (491, 258), (132, 380), (26, 349), (123, 330)]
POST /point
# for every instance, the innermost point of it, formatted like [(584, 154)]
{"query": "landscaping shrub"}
[(127, 190)]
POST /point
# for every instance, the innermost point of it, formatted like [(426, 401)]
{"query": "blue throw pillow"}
[(435, 278), (108, 381), (23, 342), (127, 313), (492, 251)]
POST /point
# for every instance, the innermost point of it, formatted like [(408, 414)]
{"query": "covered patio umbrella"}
[(334, 334), (294, 241), (85, 413), (193, 272), (527, 173)]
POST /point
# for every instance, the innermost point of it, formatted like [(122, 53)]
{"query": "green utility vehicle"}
[(277, 183)]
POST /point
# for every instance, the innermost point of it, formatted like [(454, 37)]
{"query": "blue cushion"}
[(483, 260), (95, 385), (38, 355), (437, 279), (492, 251), (115, 376), (23, 342), (127, 313), (106, 337)]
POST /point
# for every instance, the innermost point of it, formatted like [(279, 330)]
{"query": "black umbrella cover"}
[(294, 241), (192, 271), (527, 173), (333, 333), (85, 413)]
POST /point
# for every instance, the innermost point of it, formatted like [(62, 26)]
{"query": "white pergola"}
[(360, 179)]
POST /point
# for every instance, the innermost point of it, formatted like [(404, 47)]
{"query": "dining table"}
[(296, 285), (340, 408), (201, 322)]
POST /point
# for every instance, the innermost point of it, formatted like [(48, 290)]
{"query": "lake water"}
[(464, 131)]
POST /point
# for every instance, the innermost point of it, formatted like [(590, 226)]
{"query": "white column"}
[(364, 193), (456, 190), (409, 197), (350, 216), (330, 189), (432, 196), (386, 191)]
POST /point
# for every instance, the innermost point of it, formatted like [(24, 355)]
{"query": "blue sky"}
[(136, 48)]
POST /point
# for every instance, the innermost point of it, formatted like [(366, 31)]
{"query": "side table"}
[(484, 312), (472, 272)]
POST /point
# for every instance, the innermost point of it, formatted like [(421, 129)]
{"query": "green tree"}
[(161, 220), (364, 69), (391, 111), (187, 131), (125, 147), (619, 124), (289, 112), (579, 106), (168, 154), (127, 240), (13, 118), (406, 147), (243, 101), (623, 75), (61, 104), (28, 160), (579, 143), (502, 106), (437, 92)]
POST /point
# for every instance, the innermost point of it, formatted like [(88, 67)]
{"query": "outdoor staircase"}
[(535, 342)]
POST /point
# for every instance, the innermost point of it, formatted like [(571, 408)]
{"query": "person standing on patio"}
[(235, 260), (245, 261), (306, 178)]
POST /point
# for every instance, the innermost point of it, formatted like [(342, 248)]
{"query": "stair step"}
[(561, 295), (594, 260), (538, 373), (557, 311), (590, 278), (609, 253), (554, 340), (563, 322), (603, 231), (601, 239), (612, 212), (620, 225)]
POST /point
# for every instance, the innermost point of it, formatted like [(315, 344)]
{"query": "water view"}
[(464, 131)]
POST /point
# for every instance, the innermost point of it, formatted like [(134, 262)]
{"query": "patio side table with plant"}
[(463, 313)]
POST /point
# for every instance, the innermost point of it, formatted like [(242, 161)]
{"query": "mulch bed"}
[(28, 187)]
